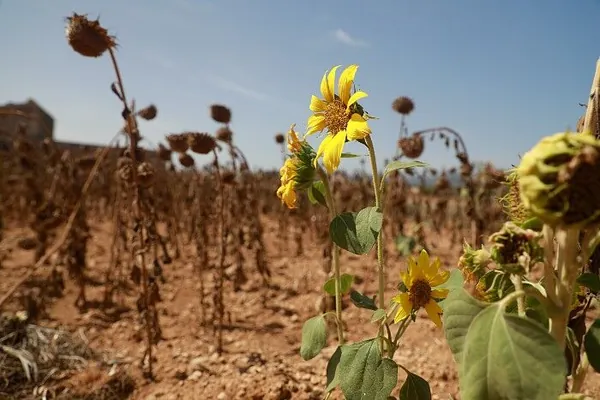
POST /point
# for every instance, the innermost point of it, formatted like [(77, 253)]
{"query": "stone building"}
[(39, 124)]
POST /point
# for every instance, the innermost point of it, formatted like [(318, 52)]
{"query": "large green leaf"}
[(346, 281), (460, 308), (414, 388), (332, 365), (314, 337), (508, 357), (591, 341), (364, 374), (396, 165), (356, 232)]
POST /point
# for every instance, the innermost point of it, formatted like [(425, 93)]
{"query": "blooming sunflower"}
[(339, 114), (298, 171), (420, 279)]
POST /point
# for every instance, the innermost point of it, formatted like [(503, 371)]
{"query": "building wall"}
[(39, 124)]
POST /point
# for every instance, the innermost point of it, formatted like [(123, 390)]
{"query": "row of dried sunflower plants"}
[(513, 311), (155, 212)]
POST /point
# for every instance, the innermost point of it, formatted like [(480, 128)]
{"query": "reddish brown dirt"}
[(262, 341)]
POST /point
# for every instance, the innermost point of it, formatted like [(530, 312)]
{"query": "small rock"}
[(221, 396)]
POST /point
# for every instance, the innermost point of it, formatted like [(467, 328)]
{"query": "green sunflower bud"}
[(473, 263), (559, 180)]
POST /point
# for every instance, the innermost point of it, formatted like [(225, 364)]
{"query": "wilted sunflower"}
[(420, 279), (339, 114), (298, 172)]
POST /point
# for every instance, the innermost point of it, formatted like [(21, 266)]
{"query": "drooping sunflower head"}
[(339, 114), (298, 171), (420, 280)]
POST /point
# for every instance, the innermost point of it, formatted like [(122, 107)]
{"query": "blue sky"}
[(503, 73)]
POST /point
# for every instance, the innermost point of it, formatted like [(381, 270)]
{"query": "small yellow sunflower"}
[(339, 114), (298, 172), (420, 279)]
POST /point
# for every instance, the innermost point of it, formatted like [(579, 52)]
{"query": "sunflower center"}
[(336, 116), (420, 293)]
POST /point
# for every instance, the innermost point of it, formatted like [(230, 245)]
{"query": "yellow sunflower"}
[(298, 172), (339, 114), (420, 279)]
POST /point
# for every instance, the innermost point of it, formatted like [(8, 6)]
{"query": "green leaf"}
[(364, 374), (460, 308), (316, 193), (346, 281), (362, 301), (454, 282), (591, 342), (352, 155), (509, 357), (332, 377), (396, 165), (590, 281), (314, 337), (378, 315), (356, 232), (414, 388), (405, 244)]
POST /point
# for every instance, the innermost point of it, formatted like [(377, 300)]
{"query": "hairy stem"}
[(336, 257), (378, 205)]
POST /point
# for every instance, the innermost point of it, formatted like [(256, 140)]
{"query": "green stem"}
[(336, 257), (517, 280), (567, 274), (378, 205)]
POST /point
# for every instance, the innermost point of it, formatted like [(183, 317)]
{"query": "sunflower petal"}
[(434, 312), (414, 271), (423, 261), (440, 278), (333, 152), (331, 80), (356, 97), (346, 81), (322, 146), (439, 293), (357, 128), (316, 104), (316, 123), (405, 306), (327, 84)]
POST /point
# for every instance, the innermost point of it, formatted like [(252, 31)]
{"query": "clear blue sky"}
[(503, 73)]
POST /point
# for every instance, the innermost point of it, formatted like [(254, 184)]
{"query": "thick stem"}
[(378, 205), (567, 272), (336, 257), (580, 375)]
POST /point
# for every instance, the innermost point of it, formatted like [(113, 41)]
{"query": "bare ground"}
[(262, 336)]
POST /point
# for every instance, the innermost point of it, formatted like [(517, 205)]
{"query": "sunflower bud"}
[(298, 171), (559, 180), (515, 249), (201, 143)]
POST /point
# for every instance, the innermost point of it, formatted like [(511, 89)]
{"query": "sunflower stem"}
[(378, 205), (567, 274), (336, 256)]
